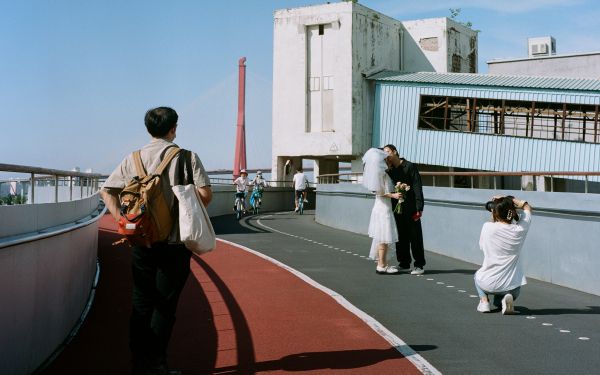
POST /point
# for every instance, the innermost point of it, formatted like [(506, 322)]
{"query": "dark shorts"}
[(241, 194), (299, 193)]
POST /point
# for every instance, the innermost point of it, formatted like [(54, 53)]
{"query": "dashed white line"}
[(530, 317)]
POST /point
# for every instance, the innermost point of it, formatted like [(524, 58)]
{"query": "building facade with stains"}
[(322, 58)]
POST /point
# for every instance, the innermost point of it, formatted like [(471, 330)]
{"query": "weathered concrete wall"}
[(440, 45), (561, 247), (574, 66)]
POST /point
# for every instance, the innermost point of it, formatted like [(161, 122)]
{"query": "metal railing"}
[(493, 180), (87, 183)]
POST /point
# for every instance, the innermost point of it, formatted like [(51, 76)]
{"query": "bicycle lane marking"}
[(402, 347), (441, 283), (307, 239)]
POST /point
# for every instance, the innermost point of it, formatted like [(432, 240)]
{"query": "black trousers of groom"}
[(410, 239)]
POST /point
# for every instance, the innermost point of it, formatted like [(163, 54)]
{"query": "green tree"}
[(454, 13)]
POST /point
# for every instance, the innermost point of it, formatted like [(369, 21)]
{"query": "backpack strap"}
[(139, 167), (167, 159)]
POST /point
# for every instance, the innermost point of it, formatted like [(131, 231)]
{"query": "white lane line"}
[(428, 279), (583, 338), (402, 347), (564, 331)]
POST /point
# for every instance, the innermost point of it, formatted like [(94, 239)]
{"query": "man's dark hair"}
[(393, 148), (159, 121), (299, 169)]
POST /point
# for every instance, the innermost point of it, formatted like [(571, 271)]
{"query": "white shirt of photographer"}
[(501, 244)]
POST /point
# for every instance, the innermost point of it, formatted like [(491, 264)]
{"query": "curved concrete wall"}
[(561, 248), (274, 199), (47, 269)]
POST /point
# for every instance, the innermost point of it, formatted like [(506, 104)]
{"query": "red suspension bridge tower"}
[(240, 140)]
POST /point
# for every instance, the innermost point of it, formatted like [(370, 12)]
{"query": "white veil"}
[(374, 170)]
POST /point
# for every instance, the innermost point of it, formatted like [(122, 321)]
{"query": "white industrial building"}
[(323, 54), (542, 60)]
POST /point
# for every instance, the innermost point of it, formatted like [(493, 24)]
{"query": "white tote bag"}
[(195, 228)]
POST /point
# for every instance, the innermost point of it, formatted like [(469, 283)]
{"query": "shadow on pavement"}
[(441, 272), (310, 361), (558, 311)]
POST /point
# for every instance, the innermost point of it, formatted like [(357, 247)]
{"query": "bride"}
[(382, 226)]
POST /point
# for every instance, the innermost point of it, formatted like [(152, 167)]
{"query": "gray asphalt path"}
[(557, 332)]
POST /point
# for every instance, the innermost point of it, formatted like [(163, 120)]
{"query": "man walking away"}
[(161, 270)]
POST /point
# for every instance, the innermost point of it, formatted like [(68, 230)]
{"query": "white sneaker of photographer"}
[(508, 307), (483, 307)]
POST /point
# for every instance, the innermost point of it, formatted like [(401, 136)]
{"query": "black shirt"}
[(407, 173)]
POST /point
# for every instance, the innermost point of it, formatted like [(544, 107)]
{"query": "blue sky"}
[(76, 77)]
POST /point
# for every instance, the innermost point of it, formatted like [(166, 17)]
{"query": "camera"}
[(490, 205)]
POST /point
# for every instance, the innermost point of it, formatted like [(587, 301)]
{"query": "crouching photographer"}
[(501, 241)]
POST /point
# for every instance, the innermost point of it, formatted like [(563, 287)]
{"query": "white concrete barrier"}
[(561, 248)]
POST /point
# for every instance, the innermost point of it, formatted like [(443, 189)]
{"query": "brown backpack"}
[(145, 216)]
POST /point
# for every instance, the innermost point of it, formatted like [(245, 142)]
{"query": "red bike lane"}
[(238, 314)]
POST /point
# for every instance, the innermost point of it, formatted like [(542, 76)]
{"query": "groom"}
[(410, 233)]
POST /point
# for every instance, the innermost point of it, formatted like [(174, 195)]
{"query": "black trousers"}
[(159, 274), (410, 240)]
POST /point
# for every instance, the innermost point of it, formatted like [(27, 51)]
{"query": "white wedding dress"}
[(382, 226)]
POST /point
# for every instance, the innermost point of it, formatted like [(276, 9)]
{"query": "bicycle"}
[(239, 204), (255, 199)]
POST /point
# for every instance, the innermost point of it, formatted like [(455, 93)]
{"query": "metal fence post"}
[(32, 188), (55, 188)]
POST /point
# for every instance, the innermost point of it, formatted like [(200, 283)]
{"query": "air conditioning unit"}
[(541, 46)]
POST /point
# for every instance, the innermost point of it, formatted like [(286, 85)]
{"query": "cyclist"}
[(300, 186), (258, 183), (241, 186)]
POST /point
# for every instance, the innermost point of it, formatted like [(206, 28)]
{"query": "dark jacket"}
[(407, 173)]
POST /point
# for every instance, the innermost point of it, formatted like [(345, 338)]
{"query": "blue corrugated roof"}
[(473, 79)]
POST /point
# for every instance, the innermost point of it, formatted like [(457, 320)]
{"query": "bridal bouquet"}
[(400, 188)]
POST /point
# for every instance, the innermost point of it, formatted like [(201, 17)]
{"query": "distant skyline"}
[(77, 77)]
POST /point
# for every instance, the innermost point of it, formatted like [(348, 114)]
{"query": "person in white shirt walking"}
[(501, 241), (300, 186)]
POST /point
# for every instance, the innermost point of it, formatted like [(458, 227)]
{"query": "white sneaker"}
[(306, 201), (417, 271), (483, 307), (507, 305)]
